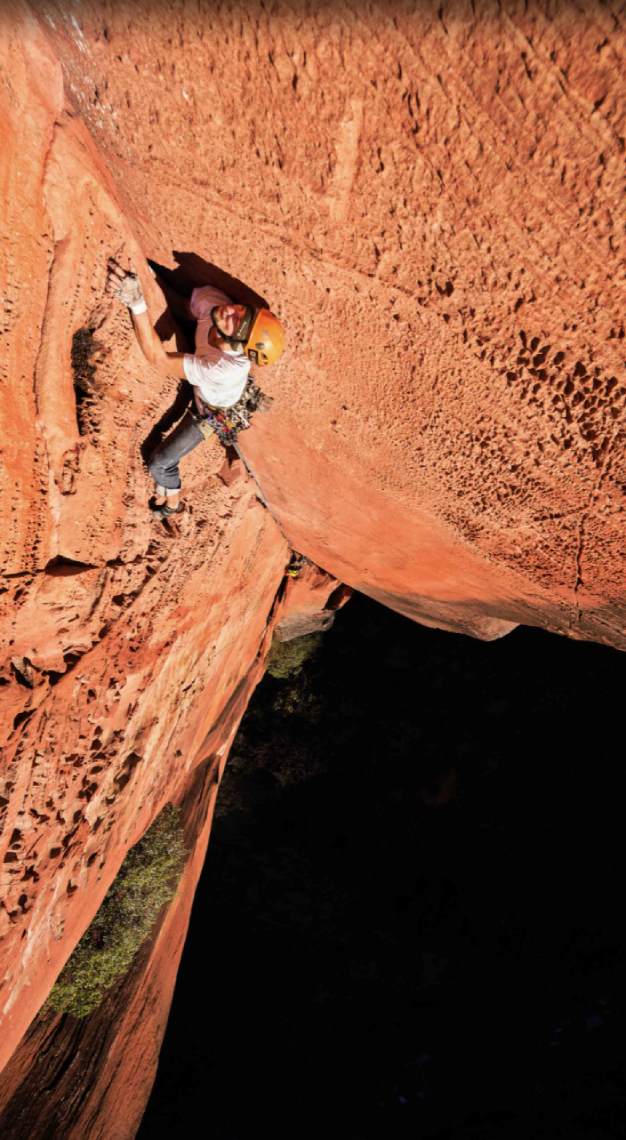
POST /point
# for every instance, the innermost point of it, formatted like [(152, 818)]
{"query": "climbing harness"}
[(226, 423)]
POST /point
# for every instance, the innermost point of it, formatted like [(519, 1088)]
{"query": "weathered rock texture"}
[(93, 1078), (430, 196)]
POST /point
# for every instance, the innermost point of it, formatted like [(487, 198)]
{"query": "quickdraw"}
[(296, 565), (218, 423)]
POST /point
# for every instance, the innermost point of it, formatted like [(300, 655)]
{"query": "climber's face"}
[(227, 319)]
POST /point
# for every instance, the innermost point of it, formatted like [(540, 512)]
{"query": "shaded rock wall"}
[(430, 197)]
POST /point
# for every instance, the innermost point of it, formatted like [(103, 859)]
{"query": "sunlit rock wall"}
[(431, 196)]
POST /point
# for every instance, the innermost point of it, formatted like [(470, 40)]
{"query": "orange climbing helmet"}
[(260, 335), (265, 341)]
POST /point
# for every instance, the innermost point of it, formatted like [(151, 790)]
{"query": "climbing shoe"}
[(163, 511)]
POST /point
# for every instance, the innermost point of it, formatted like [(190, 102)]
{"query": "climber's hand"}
[(123, 284)]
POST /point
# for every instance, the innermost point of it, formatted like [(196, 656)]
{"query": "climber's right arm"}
[(168, 363), (126, 286)]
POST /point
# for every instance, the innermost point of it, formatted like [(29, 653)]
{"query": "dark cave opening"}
[(409, 921)]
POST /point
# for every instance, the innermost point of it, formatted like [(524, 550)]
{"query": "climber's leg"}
[(163, 463)]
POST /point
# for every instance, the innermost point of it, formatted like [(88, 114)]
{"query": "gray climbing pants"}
[(163, 463)]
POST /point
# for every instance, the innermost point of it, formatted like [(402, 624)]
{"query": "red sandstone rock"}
[(98, 1074), (441, 232), (122, 647), (431, 198)]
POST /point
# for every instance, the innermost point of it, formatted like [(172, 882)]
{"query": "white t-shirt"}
[(220, 377)]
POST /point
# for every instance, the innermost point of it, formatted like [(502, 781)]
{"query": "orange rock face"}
[(430, 197)]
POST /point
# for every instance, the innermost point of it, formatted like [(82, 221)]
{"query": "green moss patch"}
[(286, 658), (146, 881)]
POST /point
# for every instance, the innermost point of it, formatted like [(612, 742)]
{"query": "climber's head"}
[(244, 329), (230, 324)]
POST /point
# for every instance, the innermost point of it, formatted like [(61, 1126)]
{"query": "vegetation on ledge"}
[(146, 881), (287, 658)]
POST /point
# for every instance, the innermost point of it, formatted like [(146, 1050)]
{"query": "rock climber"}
[(229, 338)]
